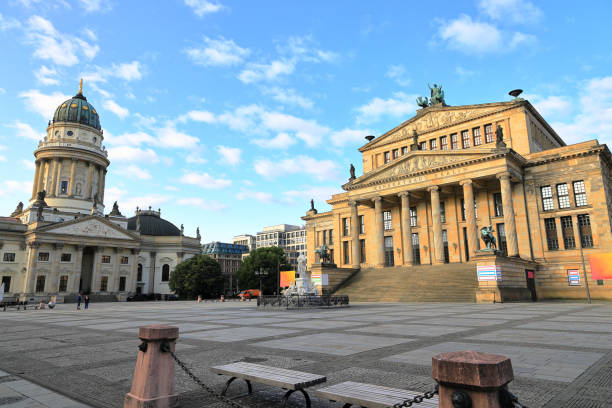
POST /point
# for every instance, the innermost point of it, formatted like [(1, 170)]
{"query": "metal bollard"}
[(153, 382), (471, 379)]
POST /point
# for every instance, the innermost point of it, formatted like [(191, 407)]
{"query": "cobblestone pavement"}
[(561, 352)]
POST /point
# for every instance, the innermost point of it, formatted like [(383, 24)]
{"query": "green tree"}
[(269, 259), (200, 275)]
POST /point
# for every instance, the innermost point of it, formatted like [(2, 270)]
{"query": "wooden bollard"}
[(153, 382), (471, 375)]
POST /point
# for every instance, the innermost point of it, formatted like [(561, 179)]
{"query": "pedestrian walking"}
[(79, 301), (86, 301)]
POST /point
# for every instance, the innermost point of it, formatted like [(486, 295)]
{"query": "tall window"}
[(404, 150), (499, 206), (584, 226), (550, 224), (63, 283), (389, 259), (465, 139), (445, 244), (454, 141), (43, 257), (416, 251), (103, 283), (331, 237), (395, 153), (413, 216), (442, 212), (8, 257), (66, 258), (422, 145), (139, 273), (165, 273), (362, 251), (477, 136), (433, 144), (63, 187), (444, 143), (124, 260), (387, 157), (489, 133), (387, 220), (106, 259), (563, 195), (580, 193), (462, 209), (40, 283), (547, 198), (501, 238), (567, 228), (345, 251), (361, 224), (122, 280), (6, 280), (345, 227), (324, 233)]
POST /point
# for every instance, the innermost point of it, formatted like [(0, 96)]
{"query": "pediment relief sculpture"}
[(90, 228)]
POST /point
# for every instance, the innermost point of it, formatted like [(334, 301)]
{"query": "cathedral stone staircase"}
[(455, 282)]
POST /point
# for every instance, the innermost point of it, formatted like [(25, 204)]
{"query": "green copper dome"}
[(77, 110)]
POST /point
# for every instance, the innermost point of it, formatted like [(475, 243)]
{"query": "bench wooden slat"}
[(370, 395), (279, 377)]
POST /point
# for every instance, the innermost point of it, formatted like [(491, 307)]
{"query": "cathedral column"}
[(101, 172), (90, 169), (54, 275), (36, 178), (40, 186), (51, 179), (355, 247), (406, 229), (437, 224), (77, 269), (30, 278), (470, 216), (115, 286), (379, 240), (96, 270), (151, 276), (509, 221), (71, 182), (58, 175)]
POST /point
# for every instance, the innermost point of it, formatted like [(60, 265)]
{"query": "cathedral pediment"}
[(91, 227)]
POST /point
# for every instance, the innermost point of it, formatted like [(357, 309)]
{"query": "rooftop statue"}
[(352, 171), (436, 97)]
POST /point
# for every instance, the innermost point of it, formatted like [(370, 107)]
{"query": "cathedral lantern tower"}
[(71, 161)]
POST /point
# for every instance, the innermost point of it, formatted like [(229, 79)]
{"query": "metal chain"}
[(509, 400), (204, 386), (418, 398)]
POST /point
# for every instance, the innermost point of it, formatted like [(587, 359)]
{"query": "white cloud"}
[(11, 188), (401, 104), (289, 97), (128, 71), (218, 52), (46, 76), (303, 48), (280, 141), (195, 158), (229, 155), (127, 204), (202, 204), (349, 136), (521, 39), (26, 131), (309, 131), (320, 169), (515, 11), (2, 158), (60, 48), (256, 72), (134, 172), (2, 91), (169, 136), (203, 7), (199, 116), (128, 139), (132, 154), (90, 34), (306, 193), (257, 196), (43, 104), (464, 72), (205, 180), (398, 74), (551, 105), (27, 164), (114, 107), (91, 6), (242, 118), (8, 23)]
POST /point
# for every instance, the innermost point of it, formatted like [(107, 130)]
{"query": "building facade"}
[(291, 238), (430, 185), (245, 239), (62, 243), (229, 257)]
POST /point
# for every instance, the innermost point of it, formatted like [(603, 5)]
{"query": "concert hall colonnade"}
[(432, 183)]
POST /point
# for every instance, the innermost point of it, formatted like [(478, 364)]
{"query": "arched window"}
[(165, 273), (139, 275)]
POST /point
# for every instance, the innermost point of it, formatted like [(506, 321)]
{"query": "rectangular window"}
[(442, 212), (567, 228), (361, 224), (465, 139), (389, 258), (579, 193), (454, 141), (8, 257), (362, 251), (103, 283), (106, 259), (584, 226), (547, 198), (387, 220), (345, 250), (63, 283), (489, 133), (433, 144), (404, 150), (345, 227), (444, 143), (422, 145), (498, 204), (416, 251), (66, 258), (63, 187), (331, 237), (550, 224), (43, 257), (477, 136), (124, 260), (122, 281), (413, 216), (563, 195), (445, 245), (324, 237), (387, 157), (6, 280), (501, 238), (462, 209), (40, 283), (395, 153)]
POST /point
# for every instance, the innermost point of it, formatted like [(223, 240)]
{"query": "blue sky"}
[(231, 115)]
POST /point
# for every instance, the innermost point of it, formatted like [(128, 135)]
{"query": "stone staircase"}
[(455, 282)]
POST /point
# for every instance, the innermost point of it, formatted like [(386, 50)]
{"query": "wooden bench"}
[(287, 379), (370, 396)]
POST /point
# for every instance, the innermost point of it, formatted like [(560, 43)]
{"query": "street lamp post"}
[(261, 272)]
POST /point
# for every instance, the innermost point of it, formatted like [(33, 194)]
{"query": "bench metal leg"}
[(288, 394), (347, 405), (227, 384)]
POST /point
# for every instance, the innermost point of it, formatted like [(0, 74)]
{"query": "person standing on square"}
[(79, 301), (86, 301)]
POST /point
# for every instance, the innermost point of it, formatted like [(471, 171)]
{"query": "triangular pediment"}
[(420, 161), (90, 227), (434, 118)]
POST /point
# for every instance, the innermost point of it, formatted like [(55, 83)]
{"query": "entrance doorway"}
[(389, 261), (87, 266), (530, 275), (465, 244)]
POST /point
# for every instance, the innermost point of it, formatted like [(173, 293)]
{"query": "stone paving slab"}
[(577, 326), (19, 393), (410, 330), (460, 321), (318, 324), (560, 338), (236, 334)]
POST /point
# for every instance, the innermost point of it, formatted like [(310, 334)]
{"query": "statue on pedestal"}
[(486, 233), (323, 252)]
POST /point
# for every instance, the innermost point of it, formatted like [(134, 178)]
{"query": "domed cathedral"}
[(63, 244)]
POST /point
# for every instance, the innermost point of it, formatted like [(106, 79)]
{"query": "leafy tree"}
[(200, 275), (269, 259)]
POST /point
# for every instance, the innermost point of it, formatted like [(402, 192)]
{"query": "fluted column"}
[(509, 221), (90, 169), (58, 177), (52, 179), (71, 182), (355, 247), (437, 224), (379, 233), (36, 178), (470, 216), (406, 228), (41, 177)]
